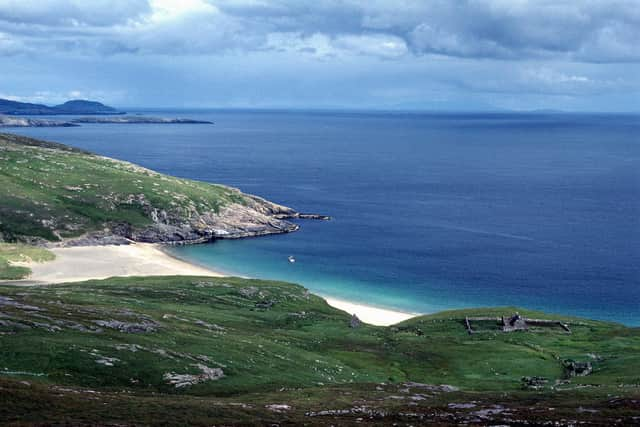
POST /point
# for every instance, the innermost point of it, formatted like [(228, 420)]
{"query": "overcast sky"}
[(581, 55)]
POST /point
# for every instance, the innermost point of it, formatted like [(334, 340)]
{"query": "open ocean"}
[(430, 211)]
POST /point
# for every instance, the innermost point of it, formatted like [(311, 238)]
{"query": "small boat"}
[(291, 259)]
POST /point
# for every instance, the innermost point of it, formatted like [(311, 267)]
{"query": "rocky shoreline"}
[(256, 217), (23, 122)]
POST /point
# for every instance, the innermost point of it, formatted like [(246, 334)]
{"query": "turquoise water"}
[(264, 259), (430, 211)]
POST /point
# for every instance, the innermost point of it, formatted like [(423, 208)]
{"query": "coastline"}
[(80, 263), (368, 313)]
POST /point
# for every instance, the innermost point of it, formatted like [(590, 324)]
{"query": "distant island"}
[(137, 120), (76, 106), (13, 121)]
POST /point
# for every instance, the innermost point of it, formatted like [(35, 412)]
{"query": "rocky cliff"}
[(251, 216)]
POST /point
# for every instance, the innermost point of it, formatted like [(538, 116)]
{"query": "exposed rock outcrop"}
[(140, 327), (21, 122), (185, 380), (355, 322), (573, 368), (255, 217)]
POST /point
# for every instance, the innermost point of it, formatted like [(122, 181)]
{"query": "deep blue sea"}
[(430, 211)]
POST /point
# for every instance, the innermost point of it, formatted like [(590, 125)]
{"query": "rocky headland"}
[(251, 216), (58, 195)]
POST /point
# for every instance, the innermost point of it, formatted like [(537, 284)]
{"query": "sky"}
[(573, 55)]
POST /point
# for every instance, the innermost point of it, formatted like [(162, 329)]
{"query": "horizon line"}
[(376, 110)]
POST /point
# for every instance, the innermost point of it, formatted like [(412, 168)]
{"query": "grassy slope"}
[(300, 352), (50, 190), (10, 253)]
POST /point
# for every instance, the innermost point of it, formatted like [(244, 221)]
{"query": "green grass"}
[(61, 362), (50, 191), (50, 337), (10, 253)]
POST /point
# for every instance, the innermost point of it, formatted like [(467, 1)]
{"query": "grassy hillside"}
[(181, 349), (50, 191), (12, 253)]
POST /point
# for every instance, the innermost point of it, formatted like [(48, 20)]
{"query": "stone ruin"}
[(516, 322)]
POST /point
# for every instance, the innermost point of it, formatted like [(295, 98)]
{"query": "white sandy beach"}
[(370, 314), (143, 259), (99, 262)]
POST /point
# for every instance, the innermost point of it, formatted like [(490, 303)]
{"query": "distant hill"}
[(76, 106), (80, 106)]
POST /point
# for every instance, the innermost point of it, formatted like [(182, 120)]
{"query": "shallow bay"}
[(430, 211)]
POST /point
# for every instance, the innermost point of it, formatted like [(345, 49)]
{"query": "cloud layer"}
[(557, 47), (589, 30)]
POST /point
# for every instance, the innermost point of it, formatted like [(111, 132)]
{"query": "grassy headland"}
[(50, 192)]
